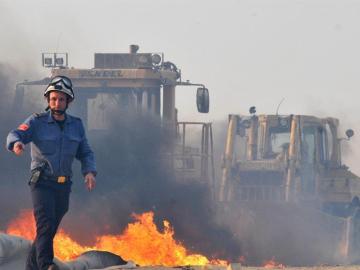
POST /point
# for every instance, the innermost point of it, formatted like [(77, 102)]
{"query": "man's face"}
[(57, 101)]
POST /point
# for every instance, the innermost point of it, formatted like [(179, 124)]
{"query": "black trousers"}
[(50, 203)]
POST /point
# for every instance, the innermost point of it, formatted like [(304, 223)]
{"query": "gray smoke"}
[(134, 177), (14, 171)]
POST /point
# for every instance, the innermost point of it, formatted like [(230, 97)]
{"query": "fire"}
[(23, 225), (64, 247), (273, 264), (67, 249), (140, 242)]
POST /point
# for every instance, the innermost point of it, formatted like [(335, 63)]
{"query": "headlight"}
[(156, 59), (59, 61), (48, 61)]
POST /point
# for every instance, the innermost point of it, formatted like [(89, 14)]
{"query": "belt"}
[(58, 179)]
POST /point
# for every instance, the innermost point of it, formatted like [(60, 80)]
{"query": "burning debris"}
[(141, 242), (13, 252)]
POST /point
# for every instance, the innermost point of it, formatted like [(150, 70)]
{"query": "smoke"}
[(133, 160), (293, 234), (14, 170)]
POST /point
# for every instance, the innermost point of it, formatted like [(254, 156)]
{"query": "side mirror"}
[(349, 133), (252, 110), (202, 100)]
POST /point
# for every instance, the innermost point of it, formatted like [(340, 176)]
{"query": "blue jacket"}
[(53, 147)]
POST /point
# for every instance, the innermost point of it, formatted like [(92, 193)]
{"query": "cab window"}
[(279, 138)]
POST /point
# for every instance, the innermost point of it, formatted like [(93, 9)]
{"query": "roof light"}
[(156, 59), (53, 60), (47, 62), (59, 61)]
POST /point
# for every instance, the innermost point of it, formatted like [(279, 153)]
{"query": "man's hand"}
[(90, 181), (18, 148)]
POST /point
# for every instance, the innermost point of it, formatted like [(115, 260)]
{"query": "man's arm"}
[(17, 138)]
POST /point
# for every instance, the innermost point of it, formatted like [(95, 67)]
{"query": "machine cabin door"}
[(308, 171), (314, 153)]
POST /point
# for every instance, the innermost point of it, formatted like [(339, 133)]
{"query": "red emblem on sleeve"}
[(23, 127)]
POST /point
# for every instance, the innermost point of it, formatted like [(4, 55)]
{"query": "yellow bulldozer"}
[(285, 192)]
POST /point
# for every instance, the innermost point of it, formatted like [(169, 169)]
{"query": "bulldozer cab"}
[(285, 158)]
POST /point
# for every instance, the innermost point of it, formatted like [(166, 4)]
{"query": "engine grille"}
[(260, 186)]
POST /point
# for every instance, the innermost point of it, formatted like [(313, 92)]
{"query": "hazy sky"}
[(247, 52)]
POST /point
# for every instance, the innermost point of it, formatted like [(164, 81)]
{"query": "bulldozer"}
[(285, 192), (133, 84)]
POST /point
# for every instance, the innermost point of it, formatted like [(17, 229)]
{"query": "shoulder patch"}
[(23, 127)]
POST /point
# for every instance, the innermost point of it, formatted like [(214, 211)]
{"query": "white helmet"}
[(61, 84)]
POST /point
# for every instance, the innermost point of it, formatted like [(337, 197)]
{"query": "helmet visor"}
[(56, 80)]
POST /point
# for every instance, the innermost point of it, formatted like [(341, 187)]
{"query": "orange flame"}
[(23, 225), (141, 242), (273, 264), (64, 247)]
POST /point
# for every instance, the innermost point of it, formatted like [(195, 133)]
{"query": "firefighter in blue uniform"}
[(55, 138)]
